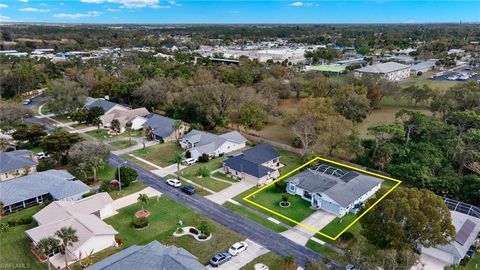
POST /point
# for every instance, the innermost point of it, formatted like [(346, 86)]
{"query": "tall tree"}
[(306, 130), (68, 236), (66, 96), (59, 142), (47, 246)]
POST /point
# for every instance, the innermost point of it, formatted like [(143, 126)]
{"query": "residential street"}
[(263, 236)]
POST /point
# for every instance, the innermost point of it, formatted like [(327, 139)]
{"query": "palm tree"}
[(128, 126), (177, 158), (97, 122), (68, 236), (289, 263), (143, 199), (48, 245), (96, 163), (176, 126), (115, 125)]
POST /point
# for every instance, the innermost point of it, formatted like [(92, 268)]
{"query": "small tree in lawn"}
[(128, 126), (115, 125), (204, 228), (48, 245), (177, 158), (97, 122), (203, 171), (289, 263), (127, 175), (143, 199), (68, 236)]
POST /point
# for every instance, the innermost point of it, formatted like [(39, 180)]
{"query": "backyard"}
[(160, 154)]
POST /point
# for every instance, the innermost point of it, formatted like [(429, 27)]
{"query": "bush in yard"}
[(4, 227), (280, 186), (284, 198), (45, 165), (127, 175), (188, 154), (88, 194), (27, 220), (140, 222), (204, 158), (193, 231), (105, 186), (179, 230), (204, 228), (346, 240), (297, 143), (18, 222), (11, 222), (119, 241)]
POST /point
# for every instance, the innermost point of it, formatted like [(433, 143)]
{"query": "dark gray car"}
[(220, 259)]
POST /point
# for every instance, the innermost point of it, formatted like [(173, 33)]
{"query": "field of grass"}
[(275, 129), (106, 173), (160, 154), (210, 183), (254, 217), (272, 260), (165, 214), (290, 160), (15, 245), (123, 144), (132, 188)]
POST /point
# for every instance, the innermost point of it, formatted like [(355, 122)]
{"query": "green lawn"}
[(222, 176), (123, 144), (290, 160), (100, 134), (165, 214), (106, 173), (272, 260), (325, 251), (474, 263), (45, 109), (208, 182), (160, 154), (338, 224), (184, 183), (254, 217), (138, 162), (15, 245), (270, 198), (132, 188)]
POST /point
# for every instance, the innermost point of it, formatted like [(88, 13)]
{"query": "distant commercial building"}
[(391, 71), (330, 69), (422, 66)]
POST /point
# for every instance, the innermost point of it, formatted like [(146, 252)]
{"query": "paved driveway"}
[(430, 263), (317, 220), (254, 250), (230, 192)]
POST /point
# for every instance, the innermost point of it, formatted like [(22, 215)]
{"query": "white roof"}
[(383, 68)]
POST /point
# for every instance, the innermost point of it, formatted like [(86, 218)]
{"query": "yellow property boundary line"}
[(246, 198)]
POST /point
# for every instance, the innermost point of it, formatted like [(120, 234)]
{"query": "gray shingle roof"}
[(240, 164), (56, 182), (15, 160), (161, 126), (100, 102), (343, 191), (383, 68), (153, 256), (261, 153), (206, 142)]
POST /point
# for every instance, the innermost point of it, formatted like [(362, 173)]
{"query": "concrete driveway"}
[(428, 262), (317, 220), (230, 192), (253, 251)]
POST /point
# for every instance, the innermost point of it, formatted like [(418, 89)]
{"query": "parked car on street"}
[(238, 247), (27, 101), (190, 190), (173, 183), (42, 155), (220, 259)]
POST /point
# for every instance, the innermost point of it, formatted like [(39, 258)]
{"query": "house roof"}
[(161, 126), (234, 136), (124, 115), (100, 102), (383, 68), (153, 256), (207, 143), (343, 189), (467, 237), (240, 164), (63, 209), (15, 160), (261, 153), (423, 65), (59, 183)]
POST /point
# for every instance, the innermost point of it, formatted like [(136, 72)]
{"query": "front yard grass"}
[(270, 259), (132, 188), (208, 182), (222, 176), (138, 162), (123, 144), (100, 134), (15, 245), (165, 214), (254, 217), (326, 252), (160, 154), (338, 224)]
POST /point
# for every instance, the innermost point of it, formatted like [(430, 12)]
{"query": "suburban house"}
[(85, 217), (17, 163), (123, 116), (106, 105), (258, 164), (151, 256), (467, 229), (333, 190), (391, 71), (200, 142), (32, 189), (162, 128)]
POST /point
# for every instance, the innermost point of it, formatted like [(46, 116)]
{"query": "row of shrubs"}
[(20, 221)]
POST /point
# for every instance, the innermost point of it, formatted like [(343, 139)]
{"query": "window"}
[(307, 194), (291, 188)]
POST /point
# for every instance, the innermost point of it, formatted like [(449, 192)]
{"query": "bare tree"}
[(306, 130)]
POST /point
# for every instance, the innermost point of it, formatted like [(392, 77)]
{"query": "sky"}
[(239, 11)]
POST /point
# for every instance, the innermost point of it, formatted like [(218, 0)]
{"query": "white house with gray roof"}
[(200, 142), (17, 163), (162, 128), (333, 190), (85, 217), (391, 71), (152, 256), (32, 189)]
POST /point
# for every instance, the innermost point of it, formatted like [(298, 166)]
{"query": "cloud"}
[(24, 1), (4, 18), (77, 15), (30, 9), (296, 4), (127, 3), (61, 4), (3, 6), (234, 12), (112, 9)]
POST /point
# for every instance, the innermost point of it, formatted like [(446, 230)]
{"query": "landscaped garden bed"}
[(192, 231)]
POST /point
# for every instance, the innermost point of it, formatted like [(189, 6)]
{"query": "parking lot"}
[(253, 251), (456, 76)]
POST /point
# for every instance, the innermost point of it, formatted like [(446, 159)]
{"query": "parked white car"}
[(190, 161), (174, 183), (261, 266), (27, 101), (42, 155), (238, 247)]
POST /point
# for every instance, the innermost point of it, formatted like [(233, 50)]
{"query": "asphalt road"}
[(36, 100), (34, 120), (249, 229)]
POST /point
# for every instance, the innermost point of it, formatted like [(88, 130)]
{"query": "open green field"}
[(159, 154), (165, 214), (15, 245), (338, 224), (254, 217), (272, 260)]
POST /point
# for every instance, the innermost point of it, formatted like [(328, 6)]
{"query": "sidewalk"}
[(317, 220)]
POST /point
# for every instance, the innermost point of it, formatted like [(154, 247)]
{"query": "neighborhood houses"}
[(16, 163), (333, 190), (162, 128), (200, 143)]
